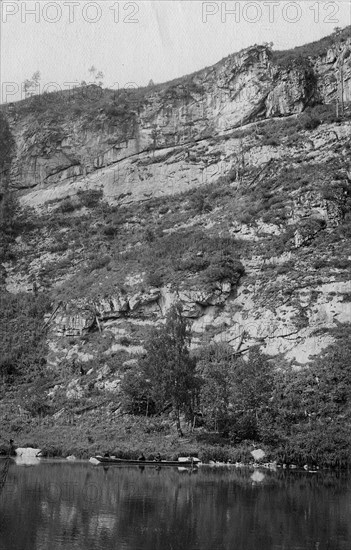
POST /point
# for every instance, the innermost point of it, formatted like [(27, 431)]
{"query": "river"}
[(76, 506)]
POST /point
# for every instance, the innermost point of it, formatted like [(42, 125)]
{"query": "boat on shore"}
[(112, 460)]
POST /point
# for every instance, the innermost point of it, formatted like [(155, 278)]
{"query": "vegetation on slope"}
[(84, 248), (23, 336), (318, 48), (8, 203)]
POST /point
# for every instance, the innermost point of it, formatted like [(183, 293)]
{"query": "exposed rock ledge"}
[(77, 318), (294, 330)]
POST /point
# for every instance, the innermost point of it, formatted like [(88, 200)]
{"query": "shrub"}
[(222, 269), (215, 453), (341, 263), (90, 198), (154, 278), (149, 235), (200, 203), (110, 231), (59, 246), (99, 262), (270, 141), (37, 405), (193, 264), (67, 206), (125, 341), (285, 268), (310, 227), (311, 123)]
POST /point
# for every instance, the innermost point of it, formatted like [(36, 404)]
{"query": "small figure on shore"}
[(12, 450), (141, 457), (158, 457)]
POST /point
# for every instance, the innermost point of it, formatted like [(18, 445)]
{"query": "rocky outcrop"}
[(330, 69), (80, 317), (238, 319), (195, 302), (161, 142), (73, 321), (295, 89)]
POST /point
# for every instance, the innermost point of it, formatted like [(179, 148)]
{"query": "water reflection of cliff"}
[(61, 506)]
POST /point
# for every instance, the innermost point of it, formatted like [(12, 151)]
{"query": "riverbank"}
[(126, 436)]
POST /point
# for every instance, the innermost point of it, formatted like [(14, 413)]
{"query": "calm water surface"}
[(78, 506)]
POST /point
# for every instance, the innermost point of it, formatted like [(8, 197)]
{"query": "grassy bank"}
[(126, 436)]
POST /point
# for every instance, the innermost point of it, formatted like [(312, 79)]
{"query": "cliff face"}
[(156, 143), (274, 191)]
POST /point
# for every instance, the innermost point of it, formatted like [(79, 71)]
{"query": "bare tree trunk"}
[(179, 428), (337, 102), (193, 423), (342, 90), (98, 324)]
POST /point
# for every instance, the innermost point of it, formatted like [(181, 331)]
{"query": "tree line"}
[(305, 415), (214, 386)]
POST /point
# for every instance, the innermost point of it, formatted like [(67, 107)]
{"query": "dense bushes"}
[(303, 416), (88, 199), (234, 393), (9, 223), (211, 258), (310, 415), (22, 335)]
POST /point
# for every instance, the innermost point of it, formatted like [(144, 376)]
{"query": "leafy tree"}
[(96, 75), (251, 394), (215, 366), (168, 368), (136, 391), (31, 85), (235, 393)]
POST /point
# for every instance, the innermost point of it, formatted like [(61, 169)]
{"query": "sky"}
[(134, 41)]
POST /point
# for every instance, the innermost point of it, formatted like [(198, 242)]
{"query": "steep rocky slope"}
[(165, 139), (228, 190)]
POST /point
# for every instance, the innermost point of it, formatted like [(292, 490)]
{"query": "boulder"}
[(258, 454), (27, 456)]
